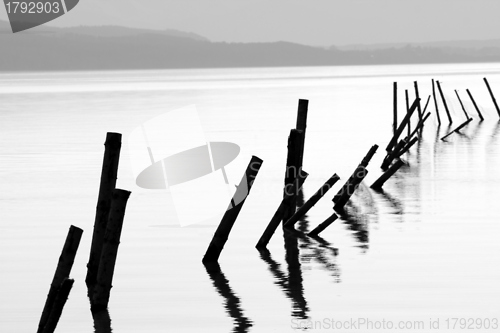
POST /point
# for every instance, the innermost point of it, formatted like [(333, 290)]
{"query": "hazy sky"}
[(313, 22)]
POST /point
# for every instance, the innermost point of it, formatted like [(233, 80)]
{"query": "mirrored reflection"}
[(232, 302), (495, 132), (102, 321), (393, 202), (356, 221)]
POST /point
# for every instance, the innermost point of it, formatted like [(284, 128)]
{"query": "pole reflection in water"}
[(357, 222), (102, 321), (221, 284)]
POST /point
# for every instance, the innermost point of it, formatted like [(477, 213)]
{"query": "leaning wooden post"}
[(369, 155), (349, 187), (457, 129), (407, 98), (395, 107), (475, 105), (419, 125), (63, 270), (435, 102), (462, 105), (58, 306), (293, 167), (396, 151), (323, 225), (419, 107), (100, 297), (312, 201), (401, 127), (222, 233), (492, 96), (444, 102), (109, 173), (280, 212), (377, 185)]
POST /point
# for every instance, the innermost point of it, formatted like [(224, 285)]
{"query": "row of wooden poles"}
[(422, 115), (108, 225), (288, 212)]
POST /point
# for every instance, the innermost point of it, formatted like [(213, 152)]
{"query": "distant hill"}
[(112, 48)]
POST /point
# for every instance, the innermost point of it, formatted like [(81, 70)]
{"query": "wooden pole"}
[(407, 146), (63, 270), (349, 187), (377, 185), (57, 308), (293, 167), (280, 212), (444, 102), (435, 102), (457, 129), (107, 185), (407, 98), (419, 107), (419, 125), (392, 155), (492, 96), (312, 201), (369, 156), (475, 105), (462, 105), (322, 226), (401, 127), (100, 297), (222, 233), (301, 125), (395, 108)]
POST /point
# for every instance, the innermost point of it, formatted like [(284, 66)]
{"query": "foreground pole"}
[(101, 293), (322, 226), (58, 306), (377, 185), (475, 105), (109, 173), (63, 270), (444, 102), (222, 233), (435, 102), (492, 96)]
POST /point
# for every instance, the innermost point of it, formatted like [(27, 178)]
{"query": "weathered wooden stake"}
[(293, 167), (349, 187), (435, 102), (444, 102), (63, 270), (280, 212), (101, 293), (369, 156), (395, 108), (108, 183), (407, 146), (377, 185), (419, 107), (407, 98), (419, 125), (462, 105), (312, 201), (57, 308), (492, 96), (457, 129), (475, 105), (322, 226), (222, 233), (401, 127), (394, 153), (301, 125)]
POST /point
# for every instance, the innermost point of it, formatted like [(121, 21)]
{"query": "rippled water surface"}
[(426, 248)]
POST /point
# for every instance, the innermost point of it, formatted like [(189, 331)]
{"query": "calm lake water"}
[(425, 249)]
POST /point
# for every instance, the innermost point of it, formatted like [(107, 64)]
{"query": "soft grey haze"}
[(317, 22)]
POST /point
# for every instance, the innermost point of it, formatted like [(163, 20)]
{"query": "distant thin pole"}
[(395, 108), (419, 107), (492, 96), (408, 109), (462, 104), (475, 105), (435, 101), (444, 102)]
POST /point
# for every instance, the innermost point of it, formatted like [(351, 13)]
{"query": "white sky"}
[(312, 22)]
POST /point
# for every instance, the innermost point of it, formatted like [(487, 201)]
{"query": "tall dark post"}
[(435, 101), (401, 127), (462, 105), (395, 108), (108, 183), (101, 292), (419, 107), (407, 98), (293, 168), (444, 102), (492, 96), (226, 224), (301, 125), (475, 105)]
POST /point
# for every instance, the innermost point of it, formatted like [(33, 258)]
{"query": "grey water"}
[(423, 251)]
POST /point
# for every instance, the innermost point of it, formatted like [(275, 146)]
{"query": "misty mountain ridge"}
[(48, 48)]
